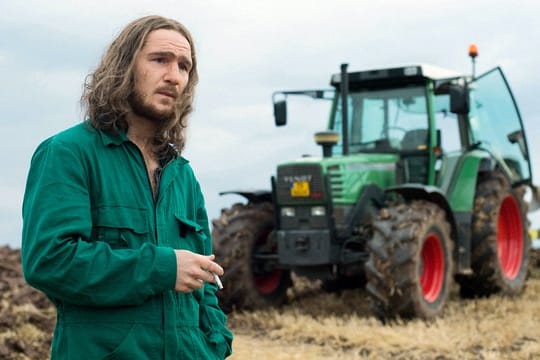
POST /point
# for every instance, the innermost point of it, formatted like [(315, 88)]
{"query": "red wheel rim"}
[(510, 237), (266, 282), (433, 268)]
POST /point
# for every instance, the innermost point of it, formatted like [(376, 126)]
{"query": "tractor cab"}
[(420, 113)]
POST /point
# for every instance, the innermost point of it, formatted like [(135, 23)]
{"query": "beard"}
[(145, 109)]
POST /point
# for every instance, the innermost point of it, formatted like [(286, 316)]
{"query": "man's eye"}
[(183, 66), (159, 60)]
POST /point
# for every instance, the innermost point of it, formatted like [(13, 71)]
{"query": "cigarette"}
[(218, 281)]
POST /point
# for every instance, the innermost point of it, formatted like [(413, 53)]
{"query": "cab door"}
[(496, 125)]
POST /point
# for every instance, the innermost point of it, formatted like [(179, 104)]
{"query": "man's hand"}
[(192, 270)]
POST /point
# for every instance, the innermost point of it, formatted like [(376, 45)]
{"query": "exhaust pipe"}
[(345, 108)]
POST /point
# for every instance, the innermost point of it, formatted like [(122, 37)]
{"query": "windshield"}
[(387, 120)]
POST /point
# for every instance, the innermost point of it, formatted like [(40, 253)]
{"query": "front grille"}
[(336, 181), (308, 177)]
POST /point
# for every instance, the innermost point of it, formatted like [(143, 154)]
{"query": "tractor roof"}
[(404, 74)]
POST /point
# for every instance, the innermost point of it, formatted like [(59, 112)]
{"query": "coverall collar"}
[(109, 138)]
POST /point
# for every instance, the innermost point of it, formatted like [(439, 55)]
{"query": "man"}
[(115, 229)]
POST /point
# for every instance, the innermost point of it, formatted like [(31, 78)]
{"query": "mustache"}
[(169, 90)]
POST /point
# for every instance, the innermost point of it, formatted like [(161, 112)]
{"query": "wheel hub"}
[(432, 268), (510, 237)]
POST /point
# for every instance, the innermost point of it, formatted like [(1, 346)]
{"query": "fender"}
[(253, 196), (429, 193)]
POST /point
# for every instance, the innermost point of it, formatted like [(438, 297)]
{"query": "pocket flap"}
[(187, 222), (122, 218)]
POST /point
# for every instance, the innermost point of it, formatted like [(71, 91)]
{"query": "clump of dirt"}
[(26, 315)]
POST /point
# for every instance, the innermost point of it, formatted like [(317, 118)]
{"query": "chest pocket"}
[(190, 235), (120, 227)]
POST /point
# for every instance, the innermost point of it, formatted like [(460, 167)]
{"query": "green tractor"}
[(421, 183)]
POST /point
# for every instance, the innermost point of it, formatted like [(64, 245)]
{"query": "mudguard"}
[(253, 196), (426, 192)]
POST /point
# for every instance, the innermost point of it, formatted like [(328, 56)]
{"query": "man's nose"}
[(173, 75)]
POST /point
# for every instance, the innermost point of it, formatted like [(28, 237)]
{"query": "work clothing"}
[(101, 247)]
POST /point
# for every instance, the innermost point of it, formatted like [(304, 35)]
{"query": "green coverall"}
[(101, 248)]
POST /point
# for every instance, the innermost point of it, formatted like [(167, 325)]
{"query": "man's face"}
[(161, 74)]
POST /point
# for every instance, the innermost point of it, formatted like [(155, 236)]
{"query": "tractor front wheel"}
[(409, 271), (245, 245)]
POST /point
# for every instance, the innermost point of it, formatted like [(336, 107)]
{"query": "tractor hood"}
[(311, 179)]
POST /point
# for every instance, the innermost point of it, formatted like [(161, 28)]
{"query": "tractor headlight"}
[(288, 212), (318, 211)]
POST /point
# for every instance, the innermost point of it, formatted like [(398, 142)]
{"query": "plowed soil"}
[(316, 325), (26, 315)]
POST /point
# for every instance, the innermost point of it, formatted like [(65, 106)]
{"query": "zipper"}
[(157, 178), (155, 200), (164, 320)]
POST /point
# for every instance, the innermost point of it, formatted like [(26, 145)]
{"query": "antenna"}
[(473, 53)]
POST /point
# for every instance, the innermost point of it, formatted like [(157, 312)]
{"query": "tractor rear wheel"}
[(245, 245), (500, 240), (409, 271)]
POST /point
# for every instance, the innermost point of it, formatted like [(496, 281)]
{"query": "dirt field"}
[(315, 325), (340, 327)]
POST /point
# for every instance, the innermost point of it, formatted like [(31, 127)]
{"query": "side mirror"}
[(517, 137), (459, 99), (280, 112)]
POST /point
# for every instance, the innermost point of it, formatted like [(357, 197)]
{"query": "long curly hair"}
[(108, 89)]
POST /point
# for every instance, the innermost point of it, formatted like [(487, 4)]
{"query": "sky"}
[(246, 50)]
